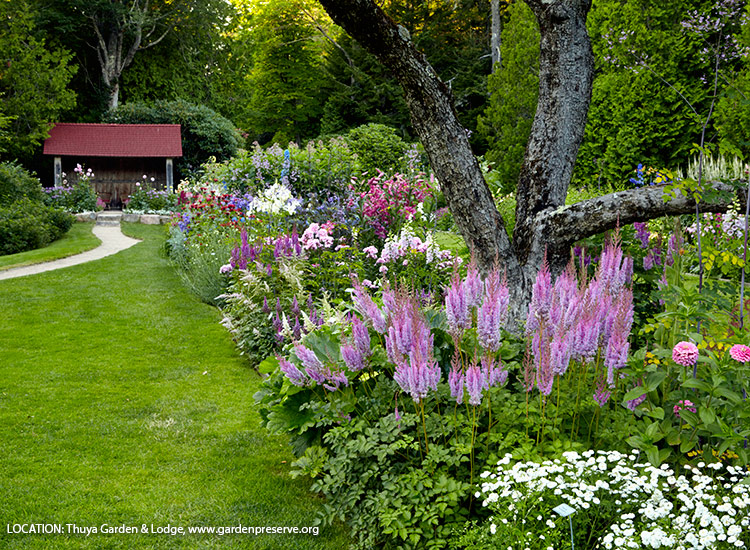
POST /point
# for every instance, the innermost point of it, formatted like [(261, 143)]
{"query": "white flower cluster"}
[(649, 507), (398, 247), (277, 199)]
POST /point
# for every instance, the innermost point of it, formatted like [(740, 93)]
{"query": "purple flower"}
[(294, 375), (366, 307), (457, 306), (352, 357), (476, 383), (602, 393), (641, 231), (473, 285), (308, 358), (361, 337), (616, 354), (633, 403), (541, 299), (493, 312), (456, 383)]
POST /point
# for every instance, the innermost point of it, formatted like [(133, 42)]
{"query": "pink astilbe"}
[(476, 383), (473, 285), (409, 344), (541, 299), (618, 346), (361, 337), (602, 392), (366, 307), (492, 314), (633, 403), (456, 384), (457, 306), (496, 375)]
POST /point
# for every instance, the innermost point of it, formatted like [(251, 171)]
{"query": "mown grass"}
[(123, 401), (78, 239)]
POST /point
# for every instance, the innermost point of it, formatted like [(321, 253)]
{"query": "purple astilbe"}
[(457, 306), (602, 392), (416, 371), (497, 375), (476, 383), (615, 270), (541, 299), (529, 375), (364, 304), (313, 367), (266, 309), (295, 306), (456, 383), (361, 337), (472, 285), (389, 300), (618, 346), (673, 248), (398, 338), (334, 379), (493, 312), (586, 334), (293, 374), (354, 360), (642, 232)]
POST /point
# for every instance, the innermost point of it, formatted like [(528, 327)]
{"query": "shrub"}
[(151, 201), (26, 225), (79, 197), (205, 133), (378, 148), (17, 183)]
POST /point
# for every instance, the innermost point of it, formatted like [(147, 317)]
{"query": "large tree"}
[(544, 225)]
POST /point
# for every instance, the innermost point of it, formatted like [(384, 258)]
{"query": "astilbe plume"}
[(476, 383), (409, 344), (366, 307), (493, 312), (457, 306), (618, 346), (473, 285), (293, 374)]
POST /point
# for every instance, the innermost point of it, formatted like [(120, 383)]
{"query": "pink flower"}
[(685, 354), (740, 352), (685, 404)]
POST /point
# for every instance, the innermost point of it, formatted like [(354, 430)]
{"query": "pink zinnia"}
[(740, 352), (685, 354)]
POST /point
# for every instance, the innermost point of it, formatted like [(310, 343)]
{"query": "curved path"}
[(113, 241)]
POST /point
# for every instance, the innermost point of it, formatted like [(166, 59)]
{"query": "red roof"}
[(114, 140)]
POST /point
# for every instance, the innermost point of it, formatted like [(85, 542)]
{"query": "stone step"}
[(108, 218)]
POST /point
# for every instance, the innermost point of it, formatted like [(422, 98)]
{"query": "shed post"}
[(58, 171), (170, 176)]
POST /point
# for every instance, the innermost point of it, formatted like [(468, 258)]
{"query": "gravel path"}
[(113, 241)]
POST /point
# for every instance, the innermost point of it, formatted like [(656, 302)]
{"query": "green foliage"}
[(16, 183), (151, 201), (198, 263), (378, 147), (26, 225), (285, 75), (205, 133), (506, 121), (34, 80), (636, 114)]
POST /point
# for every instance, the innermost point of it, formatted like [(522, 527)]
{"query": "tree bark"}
[(495, 35), (544, 226)]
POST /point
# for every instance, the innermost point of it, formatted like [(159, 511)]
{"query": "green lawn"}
[(123, 401), (78, 239)]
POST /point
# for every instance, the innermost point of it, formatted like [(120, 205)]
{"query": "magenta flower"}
[(740, 352), (685, 354), (684, 404)]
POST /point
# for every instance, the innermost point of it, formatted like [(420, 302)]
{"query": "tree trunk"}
[(495, 35), (544, 226)]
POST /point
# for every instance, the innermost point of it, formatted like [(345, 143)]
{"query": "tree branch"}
[(569, 224)]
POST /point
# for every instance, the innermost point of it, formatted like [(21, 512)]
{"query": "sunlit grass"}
[(123, 401), (78, 239)]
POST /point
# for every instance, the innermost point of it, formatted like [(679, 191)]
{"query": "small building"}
[(118, 154)]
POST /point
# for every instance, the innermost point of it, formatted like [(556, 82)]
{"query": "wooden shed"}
[(118, 154)]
